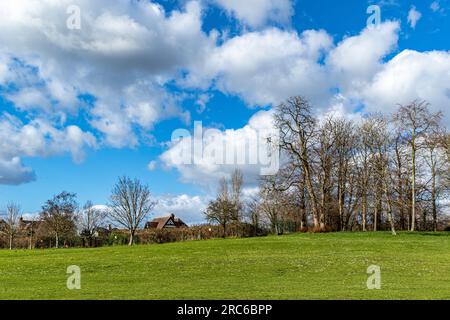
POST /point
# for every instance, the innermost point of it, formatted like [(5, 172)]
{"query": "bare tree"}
[(364, 167), (272, 205), (435, 160), (297, 128), (58, 215), (89, 220), (130, 203), (13, 212), (416, 120), (223, 209), (253, 214), (237, 180)]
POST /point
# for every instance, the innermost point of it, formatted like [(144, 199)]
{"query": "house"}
[(169, 222), (29, 226)]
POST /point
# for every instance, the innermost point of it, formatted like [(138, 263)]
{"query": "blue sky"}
[(80, 107)]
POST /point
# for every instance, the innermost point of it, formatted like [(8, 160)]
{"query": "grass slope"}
[(300, 266)]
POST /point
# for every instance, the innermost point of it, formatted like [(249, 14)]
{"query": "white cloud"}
[(413, 17), (435, 6), (189, 208), (256, 13), (13, 172), (128, 52), (246, 147), (123, 56), (266, 67), (37, 138), (356, 69), (411, 75), (357, 59)]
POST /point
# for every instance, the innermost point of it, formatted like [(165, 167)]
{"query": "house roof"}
[(162, 222)]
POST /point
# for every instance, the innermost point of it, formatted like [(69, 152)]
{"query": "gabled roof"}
[(161, 223)]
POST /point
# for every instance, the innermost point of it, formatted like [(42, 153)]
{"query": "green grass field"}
[(300, 266)]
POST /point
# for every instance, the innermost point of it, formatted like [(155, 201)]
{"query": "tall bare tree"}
[(237, 181), (272, 205), (298, 130), (223, 209), (435, 159), (130, 203), (89, 219), (13, 213), (416, 120)]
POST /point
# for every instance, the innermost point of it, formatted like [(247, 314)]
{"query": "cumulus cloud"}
[(13, 172), (123, 56), (257, 13), (189, 208), (36, 138), (413, 17), (267, 66), (411, 75), (128, 52), (222, 152), (356, 59), (121, 59)]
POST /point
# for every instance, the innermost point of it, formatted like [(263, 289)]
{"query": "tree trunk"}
[(131, 241), (413, 178), (10, 241), (56, 240), (312, 196), (364, 212), (375, 218), (434, 199), (389, 205)]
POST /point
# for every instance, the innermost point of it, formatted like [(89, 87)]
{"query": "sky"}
[(94, 90)]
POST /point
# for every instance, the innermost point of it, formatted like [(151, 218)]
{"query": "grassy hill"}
[(300, 266)]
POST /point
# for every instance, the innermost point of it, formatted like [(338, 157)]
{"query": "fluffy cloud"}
[(39, 138), (357, 59), (223, 151), (13, 172), (256, 13), (121, 59), (115, 72), (267, 66), (411, 75), (123, 56), (189, 208), (36, 138)]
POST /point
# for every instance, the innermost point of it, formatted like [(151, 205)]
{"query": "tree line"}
[(337, 174), (62, 220), (377, 173)]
